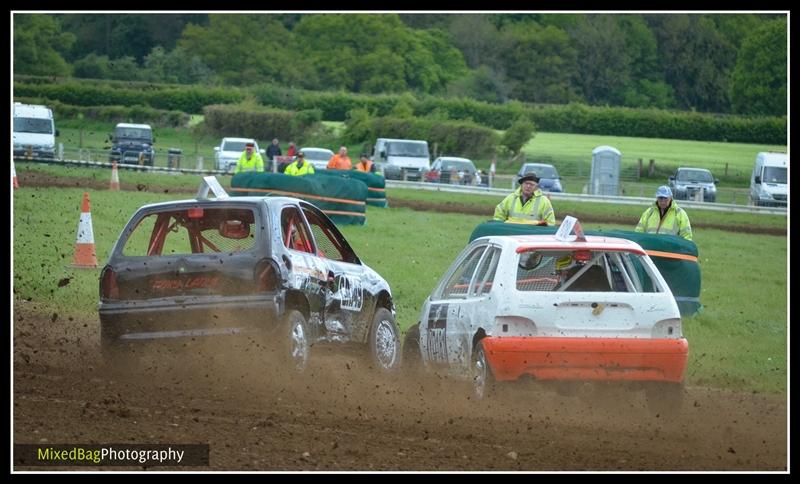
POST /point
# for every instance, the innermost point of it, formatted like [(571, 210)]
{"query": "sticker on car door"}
[(437, 333)]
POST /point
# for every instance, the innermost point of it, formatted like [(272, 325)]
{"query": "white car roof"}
[(244, 140), (138, 126), (454, 158), (522, 243), (326, 150), (32, 111)]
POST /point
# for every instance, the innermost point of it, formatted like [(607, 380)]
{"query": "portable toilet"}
[(604, 179)]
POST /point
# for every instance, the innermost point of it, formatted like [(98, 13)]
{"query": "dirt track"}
[(255, 416), (345, 417)]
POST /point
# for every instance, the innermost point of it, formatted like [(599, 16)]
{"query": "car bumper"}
[(132, 321), (587, 358)]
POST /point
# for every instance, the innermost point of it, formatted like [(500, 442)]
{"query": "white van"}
[(769, 180), (402, 158), (34, 131)]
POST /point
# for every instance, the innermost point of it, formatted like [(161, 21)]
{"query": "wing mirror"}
[(672, 178), (758, 180)]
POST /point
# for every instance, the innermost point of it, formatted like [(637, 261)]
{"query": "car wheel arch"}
[(297, 300)]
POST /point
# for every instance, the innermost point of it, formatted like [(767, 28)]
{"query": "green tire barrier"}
[(376, 184), (341, 199), (675, 257)]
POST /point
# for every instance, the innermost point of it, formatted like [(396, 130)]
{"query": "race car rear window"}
[(193, 231), (580, 271)]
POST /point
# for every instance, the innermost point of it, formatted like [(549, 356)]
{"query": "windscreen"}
[(542, 171), (133, 133), (584, 270), (317, 155), (695, 176), (401, 148), (233, 146), (774, 174), (458, 166), (33, 125)]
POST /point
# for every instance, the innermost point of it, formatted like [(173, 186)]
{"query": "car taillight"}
[(108, 284)]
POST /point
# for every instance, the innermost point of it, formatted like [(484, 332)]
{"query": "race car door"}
[(350, 294), (459, 308)]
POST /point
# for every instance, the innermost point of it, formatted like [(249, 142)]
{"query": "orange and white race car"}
[(556, 309)]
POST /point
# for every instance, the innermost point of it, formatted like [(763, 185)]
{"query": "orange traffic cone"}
[(14, 174), (114, 177), (85, 255)]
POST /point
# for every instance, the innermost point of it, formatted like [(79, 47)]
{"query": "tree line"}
[(720, 63)]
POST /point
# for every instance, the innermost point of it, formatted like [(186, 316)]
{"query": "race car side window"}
[(294, 232), (484, 278), (457, 286), (328, 245)]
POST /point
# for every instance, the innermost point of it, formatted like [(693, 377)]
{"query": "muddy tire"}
[(483, 383), (384, 342), (296, 343)]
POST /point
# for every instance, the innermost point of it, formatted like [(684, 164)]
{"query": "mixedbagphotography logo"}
[(143, 455)]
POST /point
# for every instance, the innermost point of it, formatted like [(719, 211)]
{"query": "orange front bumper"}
[(587, 358)]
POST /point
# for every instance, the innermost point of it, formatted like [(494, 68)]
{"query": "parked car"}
[(549, 180), (227, 154), (401, 159), (451, 169), (133, 144), (319, 157), (686, 182), (273, 266), (557, 310)]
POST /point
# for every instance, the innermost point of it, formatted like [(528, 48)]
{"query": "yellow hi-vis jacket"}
[(293, 169), (674, 222), (255, 163), (537, 209)]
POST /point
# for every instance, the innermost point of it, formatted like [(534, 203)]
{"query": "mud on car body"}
[(272, 265), (559, 311)]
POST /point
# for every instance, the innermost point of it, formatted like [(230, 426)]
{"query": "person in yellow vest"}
[(365, 164), (526, 204), (665, 216), (300, 166), (250, 160)]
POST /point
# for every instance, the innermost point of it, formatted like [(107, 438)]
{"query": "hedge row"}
[(191, 99), (114, 114), (228, 120), (448, 137), (334, 106)]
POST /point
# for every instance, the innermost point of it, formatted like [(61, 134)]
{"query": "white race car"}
[(592, 309)]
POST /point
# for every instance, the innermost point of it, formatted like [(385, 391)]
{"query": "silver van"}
[(402, 159)]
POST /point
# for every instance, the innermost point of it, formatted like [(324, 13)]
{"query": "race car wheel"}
[(664, 399), (412, 356), (298, 346), (384, 341), (482, 378)]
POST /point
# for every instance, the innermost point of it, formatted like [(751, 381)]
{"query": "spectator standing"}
[(300, 166), (526, 204), (292, 151), (365, 164), (249, 160), (665, 216), (340, 161)]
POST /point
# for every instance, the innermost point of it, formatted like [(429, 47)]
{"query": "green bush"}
[(113, 114), (259, 123)]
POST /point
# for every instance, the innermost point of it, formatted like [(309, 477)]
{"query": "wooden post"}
[(639, 173), (651, 171), (726, 168)]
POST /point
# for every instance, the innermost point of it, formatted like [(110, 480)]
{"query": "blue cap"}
[(664, 191)]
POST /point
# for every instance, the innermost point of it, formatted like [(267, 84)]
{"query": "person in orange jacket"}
[(340, 161), (365, 164)]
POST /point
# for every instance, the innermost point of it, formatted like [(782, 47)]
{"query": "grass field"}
[(738, 341)]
